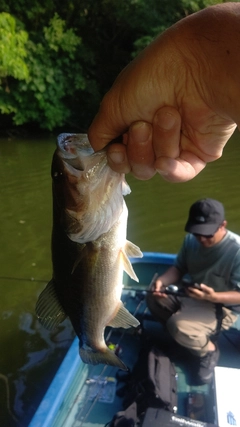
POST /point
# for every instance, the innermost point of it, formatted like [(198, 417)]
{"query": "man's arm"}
[(178, 102), (228, 298), (207, 293)]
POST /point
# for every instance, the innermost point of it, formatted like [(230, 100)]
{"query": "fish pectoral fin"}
[(49, 311), (127, 266), (130, 250), (123, 319), (133, 250), (79, 256)]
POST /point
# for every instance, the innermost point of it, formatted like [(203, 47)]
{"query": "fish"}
[(89, 249)]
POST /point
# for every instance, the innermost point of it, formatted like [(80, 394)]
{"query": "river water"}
[(29, 355)]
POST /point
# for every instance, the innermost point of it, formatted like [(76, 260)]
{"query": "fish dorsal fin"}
[(123, 319), (133, 250), (49, 311)]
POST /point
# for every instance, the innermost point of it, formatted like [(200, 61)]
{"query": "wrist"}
[(216, 297), (215, 50)]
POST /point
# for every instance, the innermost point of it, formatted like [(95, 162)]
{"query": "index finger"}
[(104, 129)]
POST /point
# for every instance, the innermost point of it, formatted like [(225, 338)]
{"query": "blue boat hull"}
[(72, 400)]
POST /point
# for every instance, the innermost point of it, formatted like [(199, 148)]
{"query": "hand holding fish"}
[(176, 104)]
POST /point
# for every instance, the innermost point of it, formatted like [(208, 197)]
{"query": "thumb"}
[(101, 132), (108, 125), (206, 289)]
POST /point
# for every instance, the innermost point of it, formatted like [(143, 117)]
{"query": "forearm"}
[(227, 298), (172, 275), (212, 39)]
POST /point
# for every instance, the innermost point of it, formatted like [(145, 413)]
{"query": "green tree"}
[(161, 15), (75, 50), (12, 57), (53, 76)]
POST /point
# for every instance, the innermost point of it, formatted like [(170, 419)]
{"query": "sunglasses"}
[(209, 236)]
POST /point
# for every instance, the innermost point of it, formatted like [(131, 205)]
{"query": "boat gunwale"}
[(58, 388)]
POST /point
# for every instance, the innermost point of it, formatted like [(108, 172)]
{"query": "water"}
[(158, 210)]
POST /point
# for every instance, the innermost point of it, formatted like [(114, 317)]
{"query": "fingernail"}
[(116, 157), (165, 120), (140, 131), (163, 173)]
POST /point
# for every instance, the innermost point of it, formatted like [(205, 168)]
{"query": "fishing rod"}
[(172, 289), (25, 279), (169, 290)]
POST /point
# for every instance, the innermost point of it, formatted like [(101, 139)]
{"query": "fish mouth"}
[(70, 145)]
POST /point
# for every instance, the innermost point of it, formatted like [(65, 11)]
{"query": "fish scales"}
[(89, 249)]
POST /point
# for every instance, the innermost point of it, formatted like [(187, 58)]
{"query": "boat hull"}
[(85, 395)]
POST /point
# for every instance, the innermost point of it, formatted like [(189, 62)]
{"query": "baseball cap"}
[(205, 217)]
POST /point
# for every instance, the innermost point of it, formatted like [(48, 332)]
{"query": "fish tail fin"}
[(105, 356)]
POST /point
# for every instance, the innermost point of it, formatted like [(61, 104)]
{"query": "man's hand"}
[(204, 293), (158, 289), (176, 105)]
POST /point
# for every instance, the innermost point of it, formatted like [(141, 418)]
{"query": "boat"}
[(88, 396)]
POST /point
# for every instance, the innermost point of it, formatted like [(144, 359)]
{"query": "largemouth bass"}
[(89, 249)]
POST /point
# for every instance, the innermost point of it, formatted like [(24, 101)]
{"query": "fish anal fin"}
[(123, 319), (105, 356), (49, 311)]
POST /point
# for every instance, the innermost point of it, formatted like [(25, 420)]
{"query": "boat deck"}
[(88, 396)]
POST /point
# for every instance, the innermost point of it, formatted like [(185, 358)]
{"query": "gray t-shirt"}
[(217, 266)]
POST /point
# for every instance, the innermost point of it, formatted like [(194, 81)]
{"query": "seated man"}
[(209, 256)]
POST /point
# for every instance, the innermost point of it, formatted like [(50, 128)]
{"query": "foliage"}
[(54, 75), (65, 55), (12, 57), (164, 14)]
